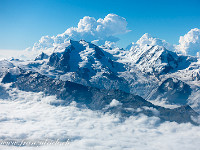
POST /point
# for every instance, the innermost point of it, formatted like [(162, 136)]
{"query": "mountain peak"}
[(146, 36), (147, 40)]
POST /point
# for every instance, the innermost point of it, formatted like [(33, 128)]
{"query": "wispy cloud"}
[(9, 53)]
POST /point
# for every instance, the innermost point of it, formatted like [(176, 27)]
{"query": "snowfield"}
[(33, 116)]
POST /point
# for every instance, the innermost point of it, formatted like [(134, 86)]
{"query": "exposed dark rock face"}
[(196, 76), (100, 99), (60, 63), (3, 93), (98, 53), (8, 77), (170, 59), (173, 91), (41, 56)]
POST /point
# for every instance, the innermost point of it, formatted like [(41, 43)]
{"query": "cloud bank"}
[(35, 117), (189, 44)]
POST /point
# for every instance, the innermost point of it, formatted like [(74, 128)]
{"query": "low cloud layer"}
[(34, 117), (189, 44)]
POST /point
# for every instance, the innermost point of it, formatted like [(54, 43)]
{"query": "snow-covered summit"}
[(100, 32), (158, 60), (148, 40), (82, 54), (81, 62)]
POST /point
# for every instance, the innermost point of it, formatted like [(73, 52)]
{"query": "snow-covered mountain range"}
[(87, 73)]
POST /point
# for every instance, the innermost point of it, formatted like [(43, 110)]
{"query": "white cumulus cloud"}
[(189, 44), (98, 31), (102, 30)]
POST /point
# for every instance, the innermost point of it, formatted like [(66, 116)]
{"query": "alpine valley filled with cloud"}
[(80, 88)]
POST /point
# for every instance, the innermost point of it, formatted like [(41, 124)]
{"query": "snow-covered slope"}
[(154, 56), (4, 66), (141, 70), (147, 39), (172, 91), (81, 62)]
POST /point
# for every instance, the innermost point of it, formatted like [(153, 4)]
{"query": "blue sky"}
[(23, 22)]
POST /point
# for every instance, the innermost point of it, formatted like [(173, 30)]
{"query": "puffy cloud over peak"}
[(45, 42), (102, 30), (112, 24), (87, 24), (147, 39), (92, 30), (189, 44)]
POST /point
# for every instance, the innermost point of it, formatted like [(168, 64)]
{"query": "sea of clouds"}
[(34, 116)]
